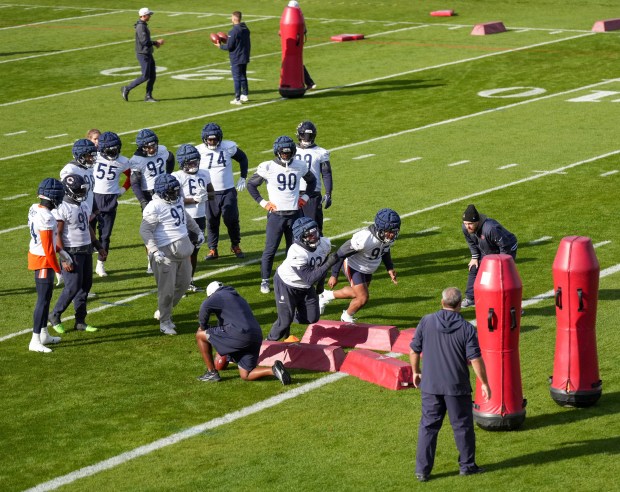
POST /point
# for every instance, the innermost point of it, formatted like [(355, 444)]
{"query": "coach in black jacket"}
[(484, 236), (238, 47)]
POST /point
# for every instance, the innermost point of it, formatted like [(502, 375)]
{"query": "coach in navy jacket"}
[(448, 342), (238, 47)]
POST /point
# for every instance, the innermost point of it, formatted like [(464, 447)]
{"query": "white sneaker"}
[(38, 347), (91, 295), (156, 314), (347, 318), (46, 338), (244, 98), (236, 102), (264, 286), (100, 269), (323, 301), (167, 328)]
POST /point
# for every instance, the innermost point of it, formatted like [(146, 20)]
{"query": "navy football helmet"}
[(212, 135), (147, 142), (167, 187), (109, 145), (188, 158), (85, 153), (284, 149), (387, 225), (76, 188), (306, 133), (51, 191), (306, 232)]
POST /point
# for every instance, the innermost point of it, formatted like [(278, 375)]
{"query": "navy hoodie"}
[(448, 342)]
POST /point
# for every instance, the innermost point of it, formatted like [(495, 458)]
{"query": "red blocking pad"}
[(322, 358), (347, 37), (606, 25), (488, 28), (442, 13), (358, 335), (402, 343), (386, 371)]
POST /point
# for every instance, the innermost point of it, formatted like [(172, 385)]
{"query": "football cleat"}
[(210, 377), (150, 99), (347, 318), (167, 187), (36, 346), (125, 93), (85, 327), (213, 255), (291, 339), (236, 250), (387, 225), (46, 338), (323, 301), (236, 102), (465, 303), (100, 269), (264, 286), (167, 328), (244, 98), (280, 372), (193, 287), (212, 135), (54, 320)]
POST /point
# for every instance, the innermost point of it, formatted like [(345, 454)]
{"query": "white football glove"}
[(66, 257), (241, 184), (200, 240), (201, 195), (59, 279), (160, 258)]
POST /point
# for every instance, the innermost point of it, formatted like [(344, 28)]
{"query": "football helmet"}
[(306, 133), (212, 135), (284, 149), (75, 188), (167, 187), (109, 145), (306, 232), (188, 158), (52, 191), (147, 142), (387, 225), (85, 153)]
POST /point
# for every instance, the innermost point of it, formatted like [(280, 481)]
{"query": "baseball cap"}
[(145, 11)]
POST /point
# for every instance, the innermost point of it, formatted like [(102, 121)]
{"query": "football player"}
[(360, 257), (164, 230), (77, 238), (196, 189), (42, 259), (108, 169), (149, 161), (84, 157), (317, 159), (283, 176), (306, 263), (237, 335), (217, 155)]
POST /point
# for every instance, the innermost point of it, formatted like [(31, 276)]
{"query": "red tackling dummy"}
[(347, 37), (386, 371), (359, 335), (312, 357), (442, 13)]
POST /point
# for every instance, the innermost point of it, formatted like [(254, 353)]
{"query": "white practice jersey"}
[(88, 176), (283, 182), (75, 231), (149, 167), (190, 184), (40, 219), (108, 174), (218, 163), (170, 220), (313, 157), (299, 257), (369, 251)]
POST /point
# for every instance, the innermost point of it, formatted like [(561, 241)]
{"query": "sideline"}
[(348, 233), (228, 418)]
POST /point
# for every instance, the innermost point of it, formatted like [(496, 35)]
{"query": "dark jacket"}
[(448, 342), (232, 312), (238, 44), (144, 45), (490, 239)]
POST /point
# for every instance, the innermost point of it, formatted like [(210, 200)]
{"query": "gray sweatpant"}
[(173, 280)]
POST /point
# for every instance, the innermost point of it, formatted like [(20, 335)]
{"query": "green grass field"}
[(421, 117)]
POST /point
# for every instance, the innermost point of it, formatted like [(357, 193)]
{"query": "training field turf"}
[(421, 117)]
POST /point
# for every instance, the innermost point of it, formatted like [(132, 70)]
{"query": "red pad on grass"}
[(402, 343), (386, 371), (358, 335), (442, 13), (347, 37), (322, 358), (488, 28), (606, 25)]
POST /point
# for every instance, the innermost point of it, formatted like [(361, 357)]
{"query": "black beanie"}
[(471, 214)]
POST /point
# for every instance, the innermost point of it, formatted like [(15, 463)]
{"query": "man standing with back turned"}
[(144, 54), (448, 342)]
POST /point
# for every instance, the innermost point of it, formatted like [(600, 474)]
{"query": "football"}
[(223, 36), (214, 38), (221, 362)]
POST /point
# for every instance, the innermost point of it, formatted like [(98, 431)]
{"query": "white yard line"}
[(228, 418)]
